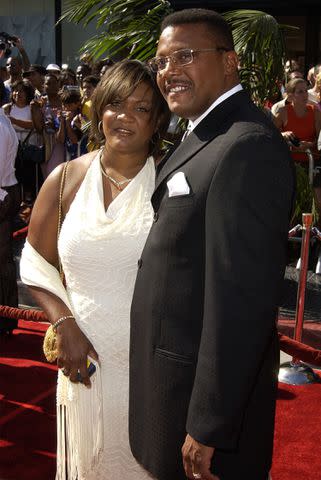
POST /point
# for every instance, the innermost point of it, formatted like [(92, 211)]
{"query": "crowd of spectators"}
[(50, 107), (298, 117), (45, 107)]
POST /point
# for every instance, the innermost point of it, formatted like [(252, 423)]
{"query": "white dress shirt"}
[(192, 124), (8, 152)]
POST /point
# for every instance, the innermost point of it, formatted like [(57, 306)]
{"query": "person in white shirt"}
[(9, 205), (315, 92)]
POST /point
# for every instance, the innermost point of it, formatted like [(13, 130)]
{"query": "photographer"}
[(44, 116), (15, 64), (23, 54), (300, 125), (69, 131), (14, 68), (299, 120)]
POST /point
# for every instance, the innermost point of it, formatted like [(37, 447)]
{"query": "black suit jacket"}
[(203, 347)]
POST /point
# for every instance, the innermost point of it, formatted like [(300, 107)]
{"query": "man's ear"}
[(231, 62)]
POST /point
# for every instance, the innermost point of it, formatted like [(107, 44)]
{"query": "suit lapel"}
[(205, 131)]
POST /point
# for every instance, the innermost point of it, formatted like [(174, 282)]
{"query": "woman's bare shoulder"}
[(75, 173), (7, 107), (80, 165)]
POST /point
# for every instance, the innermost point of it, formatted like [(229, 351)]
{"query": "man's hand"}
[(18, 43), (197, 460)]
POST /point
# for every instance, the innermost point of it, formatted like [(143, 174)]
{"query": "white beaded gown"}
[(99, 251)]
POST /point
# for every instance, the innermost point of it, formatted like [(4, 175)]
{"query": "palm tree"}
[(131, 28), (127, 27), (260, 44)]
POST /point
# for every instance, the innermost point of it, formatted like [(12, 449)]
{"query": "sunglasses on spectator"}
[(180, 58)]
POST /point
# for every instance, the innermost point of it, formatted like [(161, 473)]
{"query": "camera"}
[(295, 141), (91, 368), (6, 43)]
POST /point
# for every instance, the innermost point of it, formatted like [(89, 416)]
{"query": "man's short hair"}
[(34, 68), (216, 24), (92, 80)]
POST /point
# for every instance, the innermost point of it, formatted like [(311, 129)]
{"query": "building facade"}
[(46, 42), (303, 43)]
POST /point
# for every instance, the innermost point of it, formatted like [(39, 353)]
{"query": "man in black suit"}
[(204, 352)]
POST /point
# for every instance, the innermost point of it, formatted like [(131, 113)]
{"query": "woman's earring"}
[(100, 127)]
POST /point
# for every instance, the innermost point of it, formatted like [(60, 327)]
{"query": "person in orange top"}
[(300, 125)]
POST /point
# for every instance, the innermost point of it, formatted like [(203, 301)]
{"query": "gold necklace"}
[(115, 182)]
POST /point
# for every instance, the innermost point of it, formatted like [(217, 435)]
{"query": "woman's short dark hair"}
[(292, 84), (215, 23), (26, 86), (69, 94), (119, 82)]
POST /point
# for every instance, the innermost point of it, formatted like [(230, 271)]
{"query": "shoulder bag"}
[(50, 340)]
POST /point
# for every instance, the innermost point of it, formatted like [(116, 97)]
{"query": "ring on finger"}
[(197, 476)]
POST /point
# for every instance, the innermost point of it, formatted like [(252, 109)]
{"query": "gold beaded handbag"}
[(50, 340)]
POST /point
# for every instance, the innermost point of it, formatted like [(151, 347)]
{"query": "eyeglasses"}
[(180, 58)]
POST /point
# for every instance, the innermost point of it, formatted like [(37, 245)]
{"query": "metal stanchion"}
[(311, 165), (317, 234), (296, 372)]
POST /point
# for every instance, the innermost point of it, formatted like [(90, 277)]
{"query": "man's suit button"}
[(140, 262), (155, 217)]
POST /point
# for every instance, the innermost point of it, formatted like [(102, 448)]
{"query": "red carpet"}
[(27, 420), (27, 406), (297, 443), (311, 334)]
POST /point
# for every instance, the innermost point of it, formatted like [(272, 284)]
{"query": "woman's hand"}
[(73, 350), (288, 136), (305, 145), (69, 116), (37, 103)]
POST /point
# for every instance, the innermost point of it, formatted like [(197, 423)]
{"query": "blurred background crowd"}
[(46, 110), (44, 119)]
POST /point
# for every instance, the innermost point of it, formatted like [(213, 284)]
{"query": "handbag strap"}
[(60, 213), (27, 137)]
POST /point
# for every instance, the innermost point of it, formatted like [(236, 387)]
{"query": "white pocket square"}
[(178, 185)]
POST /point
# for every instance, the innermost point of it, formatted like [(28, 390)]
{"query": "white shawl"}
[(79, 409)]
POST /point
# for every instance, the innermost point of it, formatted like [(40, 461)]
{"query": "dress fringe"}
[(79, 427)]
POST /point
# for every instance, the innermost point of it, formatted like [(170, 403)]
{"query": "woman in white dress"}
[(18, 110), (19, 113), (107, 216)]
